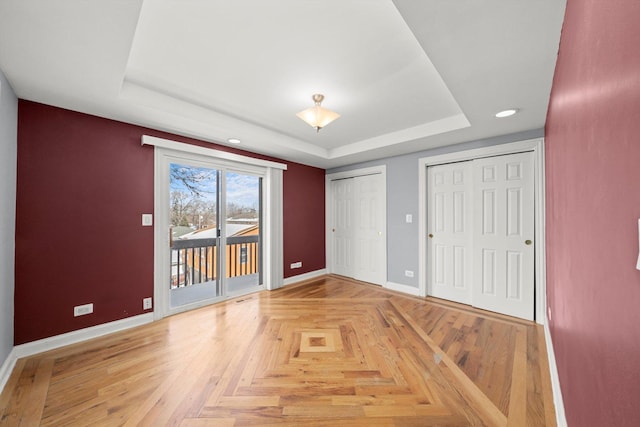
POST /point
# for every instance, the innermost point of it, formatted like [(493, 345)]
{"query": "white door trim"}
[(535, 145), (210, 152), (272, 215), (382, 169)]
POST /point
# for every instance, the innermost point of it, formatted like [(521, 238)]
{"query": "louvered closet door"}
[(449, 247), (503, 234)]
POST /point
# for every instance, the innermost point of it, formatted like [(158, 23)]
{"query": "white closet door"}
[(342, 192), (449, 246), (504, 234), (369, 229)]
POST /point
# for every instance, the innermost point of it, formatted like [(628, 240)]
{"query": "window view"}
[(193, 208), (195, 220), (243, 231)]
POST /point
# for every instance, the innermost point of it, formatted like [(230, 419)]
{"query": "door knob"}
[(430, 236), (527, 242)]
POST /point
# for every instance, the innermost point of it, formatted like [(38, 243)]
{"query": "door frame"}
[(271, 173), (374, 170), (537, 147)]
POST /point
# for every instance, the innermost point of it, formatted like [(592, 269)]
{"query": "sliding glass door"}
[(243, 231), (215, 217), (194, 240)]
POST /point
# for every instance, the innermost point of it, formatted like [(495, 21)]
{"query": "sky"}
[(242, 189)]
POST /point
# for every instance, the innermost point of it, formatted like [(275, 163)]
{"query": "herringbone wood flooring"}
[(330, 352)]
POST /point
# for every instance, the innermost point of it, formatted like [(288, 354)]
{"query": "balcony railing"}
[(195, 261)]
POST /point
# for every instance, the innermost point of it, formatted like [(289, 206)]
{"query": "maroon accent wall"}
[(83, 183), (593, 206), (302, 205)]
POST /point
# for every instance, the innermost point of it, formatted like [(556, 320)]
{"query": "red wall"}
[(593, 206), (303, 240), (83, 183)]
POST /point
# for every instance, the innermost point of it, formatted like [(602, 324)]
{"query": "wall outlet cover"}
[(81, 310)]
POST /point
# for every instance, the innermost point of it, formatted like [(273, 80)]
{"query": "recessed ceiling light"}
[(507, 113), (233, 141)]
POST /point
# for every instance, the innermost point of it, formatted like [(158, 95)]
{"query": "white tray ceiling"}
[(404, 75)]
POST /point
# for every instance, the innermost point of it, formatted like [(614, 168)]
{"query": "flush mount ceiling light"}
[(507, 113), (233, 141), (316, 116)]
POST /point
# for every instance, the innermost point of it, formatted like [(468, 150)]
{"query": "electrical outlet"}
[(147, 304), (81, 310), (296, 264), (408, 273)]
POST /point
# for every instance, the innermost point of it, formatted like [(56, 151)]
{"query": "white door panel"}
[(359, 226), (504, 234), (480, 219), (342, 191), (369, 229), (449, 226)]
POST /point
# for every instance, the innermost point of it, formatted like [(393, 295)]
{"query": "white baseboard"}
[(7, 368), (73, 337), (306, 276), (403, 288), (561, 419), (51, 343)]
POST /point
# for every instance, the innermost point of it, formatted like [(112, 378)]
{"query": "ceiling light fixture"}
[(316, 116), (507, 113), (233, 141)]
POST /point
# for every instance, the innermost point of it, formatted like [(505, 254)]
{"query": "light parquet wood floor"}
[(329, 352)]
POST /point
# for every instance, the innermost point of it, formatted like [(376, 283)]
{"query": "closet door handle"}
[(430, 236), (527, 242)]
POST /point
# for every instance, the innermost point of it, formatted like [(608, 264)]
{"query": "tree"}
[(180, 207), (191, 190), (197, 181)]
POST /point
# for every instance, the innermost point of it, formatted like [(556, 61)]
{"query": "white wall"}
[(8, 154)]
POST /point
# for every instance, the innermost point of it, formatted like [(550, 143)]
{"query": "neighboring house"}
[(198, 263), (180, 230)]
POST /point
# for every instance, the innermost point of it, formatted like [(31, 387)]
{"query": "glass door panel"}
[(243, 232), (195, 237)]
